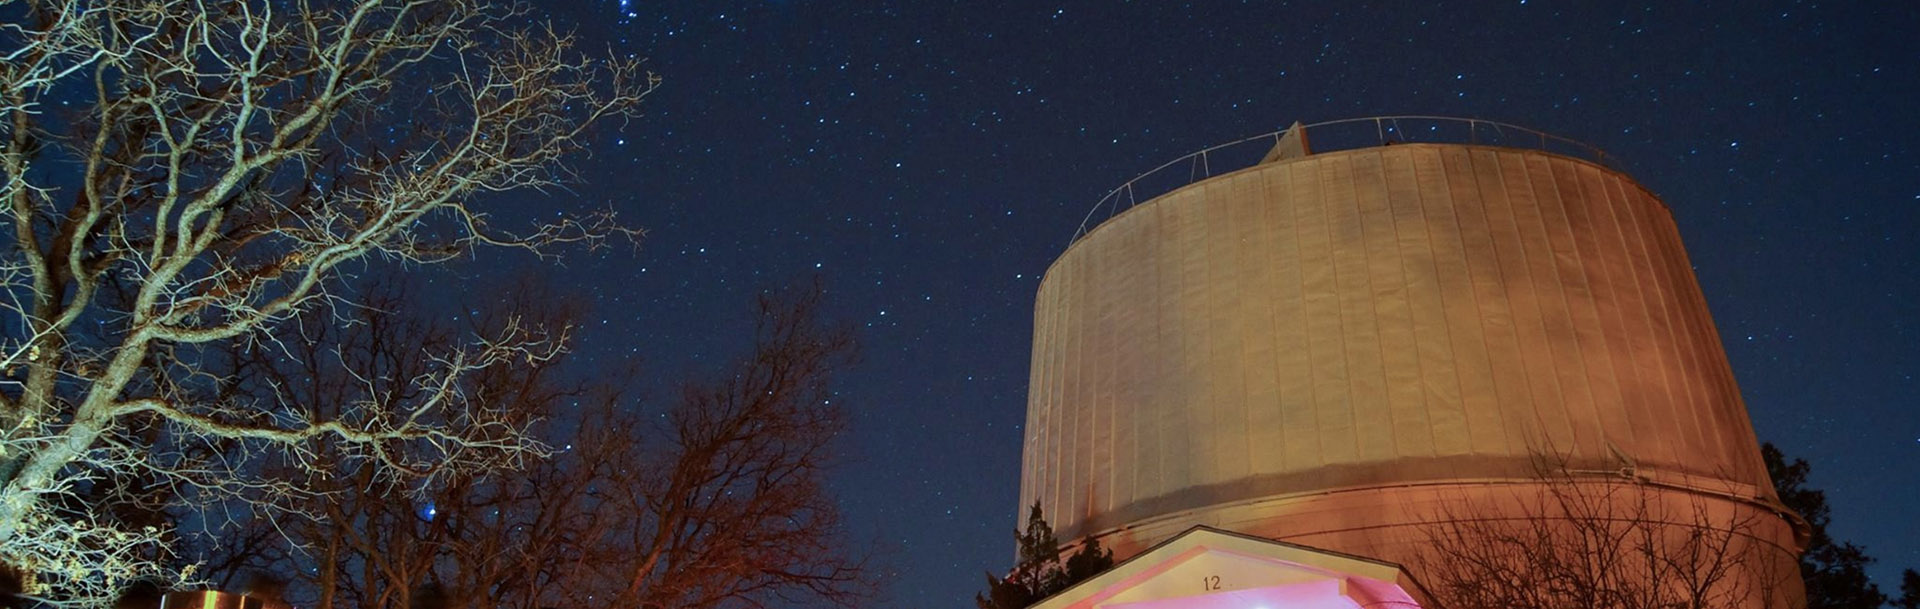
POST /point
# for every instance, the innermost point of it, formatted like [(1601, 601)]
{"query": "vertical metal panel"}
[(1292, 348), (1266, 402), (1407, 431), (1467, 354), (1510, 395), (1437, 384), (1581, 339), (1236, 317)]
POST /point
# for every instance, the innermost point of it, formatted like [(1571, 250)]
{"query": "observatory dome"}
[(1319, 348)]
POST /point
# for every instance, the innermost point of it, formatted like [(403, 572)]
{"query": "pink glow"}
[(1324, 594)]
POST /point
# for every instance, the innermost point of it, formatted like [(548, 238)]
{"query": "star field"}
[(929, 159)]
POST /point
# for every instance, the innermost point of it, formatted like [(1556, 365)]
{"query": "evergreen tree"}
[(1835, 572), (1909, 590), (1041, 572)]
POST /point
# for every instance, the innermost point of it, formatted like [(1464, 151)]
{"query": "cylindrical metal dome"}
[(1308, 348)]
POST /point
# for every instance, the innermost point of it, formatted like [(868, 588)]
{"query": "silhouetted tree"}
[(714, 500), (1909, 590), (1041, 572), (374, 542), (730, 507), (432, 595), (1835, 571)]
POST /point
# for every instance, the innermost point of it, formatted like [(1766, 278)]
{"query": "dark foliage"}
[(1041, 572), (11, 584), (1835, 571), (1909, 590)]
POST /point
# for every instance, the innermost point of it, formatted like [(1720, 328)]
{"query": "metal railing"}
[(1343, 134)]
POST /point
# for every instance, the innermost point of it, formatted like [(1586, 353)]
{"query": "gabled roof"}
[(1214, 569)]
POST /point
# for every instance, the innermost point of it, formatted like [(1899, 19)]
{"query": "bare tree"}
[(716, 500), (1603, 542), (730, 508), (378, 541), (226, 164)]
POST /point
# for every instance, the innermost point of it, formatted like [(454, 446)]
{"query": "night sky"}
[(929, 159)]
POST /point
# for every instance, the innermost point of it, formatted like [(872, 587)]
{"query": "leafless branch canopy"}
[(178, 173), (714, 501), (733, 509), (1604, 543)]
